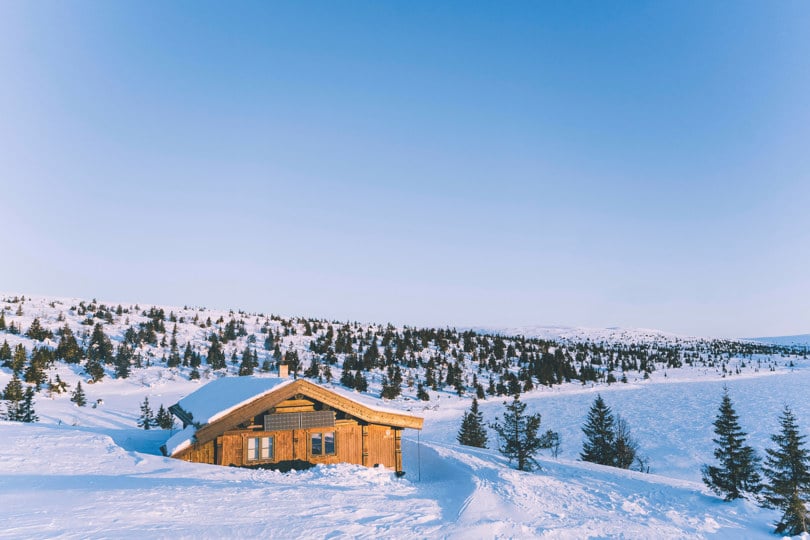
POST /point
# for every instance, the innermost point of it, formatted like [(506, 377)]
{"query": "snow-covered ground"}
[(89, 472), (84, 472)]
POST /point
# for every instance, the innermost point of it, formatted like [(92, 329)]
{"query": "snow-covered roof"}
[(221, 396), (180, 440)]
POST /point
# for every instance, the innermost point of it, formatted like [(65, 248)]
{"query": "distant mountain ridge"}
[(582, 333), (799, 339)]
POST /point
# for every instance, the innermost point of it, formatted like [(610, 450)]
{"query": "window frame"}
[(322, 435), (258, 449)]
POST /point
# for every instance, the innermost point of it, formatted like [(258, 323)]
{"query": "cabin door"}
[(300, 444)]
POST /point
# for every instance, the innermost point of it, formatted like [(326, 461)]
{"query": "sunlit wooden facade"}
[(297, 425)]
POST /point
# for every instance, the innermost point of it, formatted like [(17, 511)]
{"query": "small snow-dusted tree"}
[(788, 470), (146, 420), (248, 364), (599, 446), (473, 432), (736, 473), (100, 348), (518, 431), (13, 394), (216, 358), (37, 331), (421, 393), (26, 413), (78, 396), (164, 419)]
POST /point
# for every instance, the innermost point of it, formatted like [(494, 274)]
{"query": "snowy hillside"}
[(91, 472)]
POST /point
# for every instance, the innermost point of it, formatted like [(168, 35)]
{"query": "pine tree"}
[(247, 366), (313, 370), (78, 396), (146, 420), (421, 393), (100, 348), (788, 470), (37, 332), (472, 432), (518, 432), (13, 394), (737, 473), (360, 382), (123, 361), (599, 446), (216, 358), (27, 413), (391, 389), (18, 358), (164, 419), (68, 348), (5, 354), (94, 369), (2, 319), (625, 446)]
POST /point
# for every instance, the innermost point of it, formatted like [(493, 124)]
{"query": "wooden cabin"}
[(282, 423)]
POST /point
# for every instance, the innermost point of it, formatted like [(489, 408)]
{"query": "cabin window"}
[(259, 448), (322, 444)]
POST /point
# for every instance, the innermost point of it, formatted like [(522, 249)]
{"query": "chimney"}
[(283, 371)]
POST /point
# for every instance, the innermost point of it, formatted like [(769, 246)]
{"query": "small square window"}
[(259, 449), (322, 444)]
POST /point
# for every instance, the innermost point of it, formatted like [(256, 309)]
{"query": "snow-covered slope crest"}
[(800, 340), (581, 334)]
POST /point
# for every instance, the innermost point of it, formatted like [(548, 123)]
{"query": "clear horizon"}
[(574, 164)]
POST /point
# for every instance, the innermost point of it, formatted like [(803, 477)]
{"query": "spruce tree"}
[(788, 470), (164, 419), (78, 396), (518, 432), (421, 393), (360, 382), (248, 365), (599, 445), (625, 446), (27, 413), (146, 420), (5, 354), (736, 473), (13, 394), (18, 358), (37, 331), (123, 361), (472, 432), (216, 358), (100, 348), (94, 368), (68, 348)]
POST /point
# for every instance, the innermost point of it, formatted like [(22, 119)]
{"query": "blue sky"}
[(505, 163)]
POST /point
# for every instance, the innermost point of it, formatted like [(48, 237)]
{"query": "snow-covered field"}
[(103, 477), (89, 472)]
